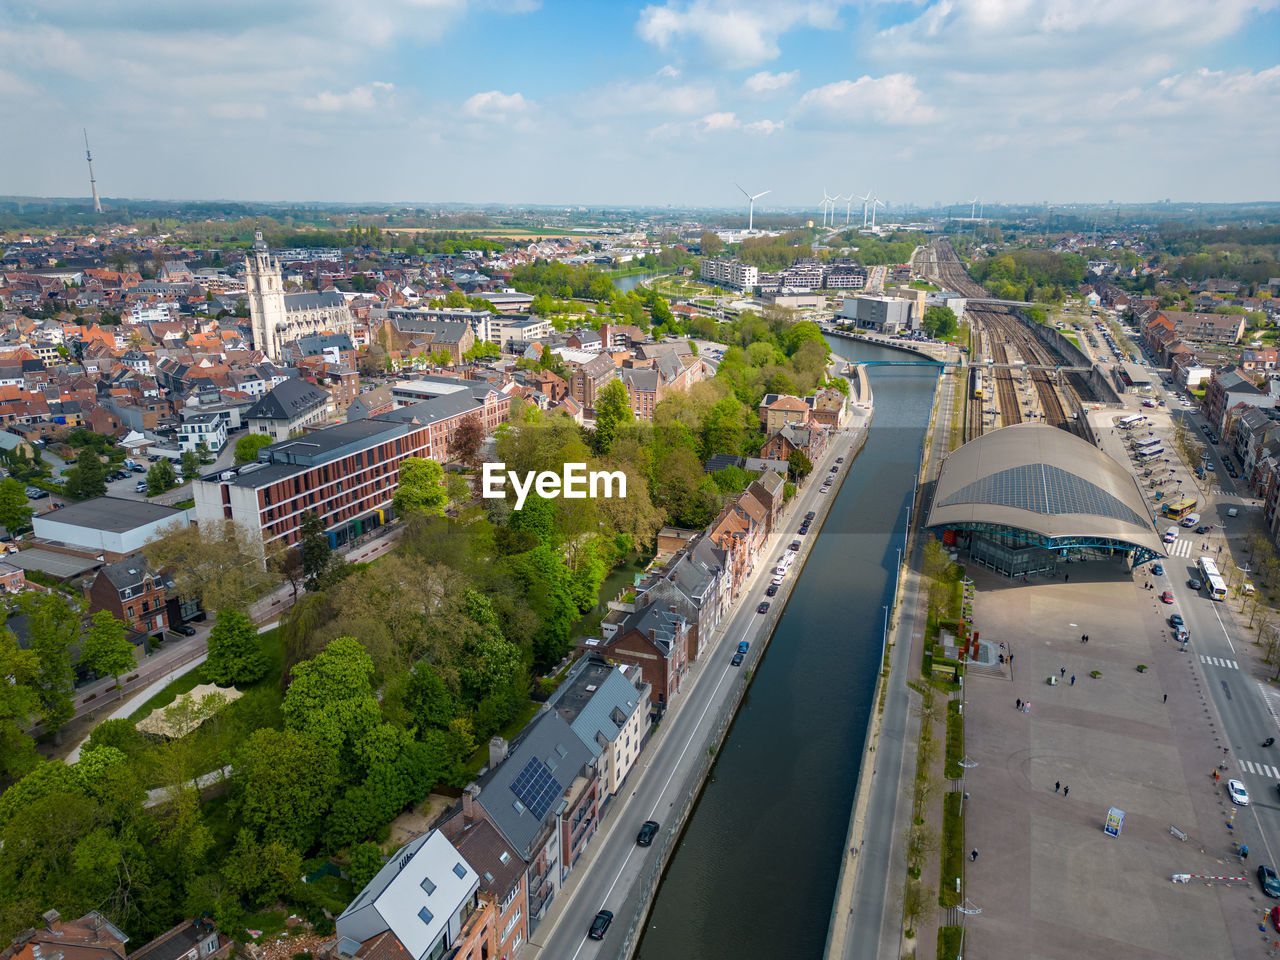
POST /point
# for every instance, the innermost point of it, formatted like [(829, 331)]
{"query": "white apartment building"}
[(730, 273)]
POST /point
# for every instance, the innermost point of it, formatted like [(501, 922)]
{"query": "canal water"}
[(756, 869)]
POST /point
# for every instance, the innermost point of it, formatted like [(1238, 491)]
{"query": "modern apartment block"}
[(730, 273), (346, 473)]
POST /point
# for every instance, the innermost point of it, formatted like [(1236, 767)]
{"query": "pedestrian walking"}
[(1057, 785), (1026, 706), (1065, 791), (973, 855), (1019, 703), (1166, 699), (1073, 679), (1066, 578), (1062, 671), (1244, 852), (1083, 638)]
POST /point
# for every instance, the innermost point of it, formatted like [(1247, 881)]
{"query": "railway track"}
[(940, 263), (976, 419)]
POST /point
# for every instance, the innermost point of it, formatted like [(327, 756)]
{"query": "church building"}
[(280, 317)]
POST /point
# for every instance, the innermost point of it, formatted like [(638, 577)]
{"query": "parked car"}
[(1175, 620), (795, 545), (744, 646), (185, 630), (648, 830), (35, 493), (1194, 583), (763, 608), (1157, 568), (810, 515), (1237, 792), (140, 487), (1275, 918), (600, 925), (839, 459), (1166, 597), (771, 590)]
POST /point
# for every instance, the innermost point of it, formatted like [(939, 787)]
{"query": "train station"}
[(1028, 499)]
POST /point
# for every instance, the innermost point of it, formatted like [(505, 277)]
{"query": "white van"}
[(1171, 535), (1191, 520)]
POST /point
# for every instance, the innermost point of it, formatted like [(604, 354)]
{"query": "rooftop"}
[(114, 514)]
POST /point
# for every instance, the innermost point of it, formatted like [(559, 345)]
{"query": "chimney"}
[(497, 751), (53, 920), (469, 812), (672, 608), (653, 636)]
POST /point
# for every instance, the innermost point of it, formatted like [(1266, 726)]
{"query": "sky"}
[(610, 103)]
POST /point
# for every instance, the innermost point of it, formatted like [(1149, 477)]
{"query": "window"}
[(460, 871), (425, 916), (504, 857), (428, 886)]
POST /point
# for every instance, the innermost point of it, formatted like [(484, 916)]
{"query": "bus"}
[(1128, 423), (1147, 455), (1143, 445), (1178, 510), (1213, 582)]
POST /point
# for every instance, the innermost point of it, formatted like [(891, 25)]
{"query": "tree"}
[(107, 650), (711, 244), (19, 702), (468, 438), (160, 477), (247, 447), (190, 465), (15, 513), (457, 489), (331, 698), (93, 478), (421, 488), (798, 464), (455, 299), (54, 625), (366, 861), (235, 651), (285, 562), (217, 563), (613, 408), (314, 547), (286, 783), (940, 322)]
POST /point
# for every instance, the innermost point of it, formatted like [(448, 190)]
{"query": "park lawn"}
[(272, 646), (955, 740)]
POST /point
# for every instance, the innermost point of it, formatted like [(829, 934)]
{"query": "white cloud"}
[(763, 126), (766, 82), (737, 33), (891, 99), (495, 103), (238, 111), (647, 97), (668, 72), (720, 121), (362, 97)]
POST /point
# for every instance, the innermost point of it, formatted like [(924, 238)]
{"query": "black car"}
[(736, 661), (810, 515), (186, 631), (763, 608), (839, 459), (1202, 530), (647, 832), (600, 925), (1270, 882), (795, 545), (771, 590)]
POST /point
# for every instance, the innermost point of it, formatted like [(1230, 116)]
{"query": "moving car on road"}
[(736, 661), (744, 646), (1194, 583), (1175, 620), (1157, 569), (647, 832), (1166, 597), (771, 590), (600, 925), (763, 608)]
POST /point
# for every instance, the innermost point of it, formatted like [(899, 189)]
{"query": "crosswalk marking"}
[(1261, 769), (1220, 662), (1180, 548)]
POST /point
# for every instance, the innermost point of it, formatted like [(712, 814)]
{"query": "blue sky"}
[(652, 103)]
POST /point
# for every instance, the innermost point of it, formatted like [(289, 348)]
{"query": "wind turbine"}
[(848, 205), (828, 206), (751, 205), (875, 202), (973, 205), (865, 199)]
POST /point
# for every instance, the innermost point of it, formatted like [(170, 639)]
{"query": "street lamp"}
[(885, 639)]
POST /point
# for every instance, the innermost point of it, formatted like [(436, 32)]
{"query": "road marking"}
[(1261, 769), (1220, 662), (1180, 548)]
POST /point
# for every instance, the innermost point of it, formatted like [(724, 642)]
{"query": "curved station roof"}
[(1046, 486)]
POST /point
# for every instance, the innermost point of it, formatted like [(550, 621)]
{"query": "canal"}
[(756, 869)]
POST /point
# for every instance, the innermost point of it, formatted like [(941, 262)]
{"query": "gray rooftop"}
[(1045, 480), (112, 513)]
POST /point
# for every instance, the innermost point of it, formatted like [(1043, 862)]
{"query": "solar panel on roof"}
[(536, 788), (1044, 489)]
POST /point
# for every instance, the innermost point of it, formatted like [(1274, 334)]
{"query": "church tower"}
[(265, 287)]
